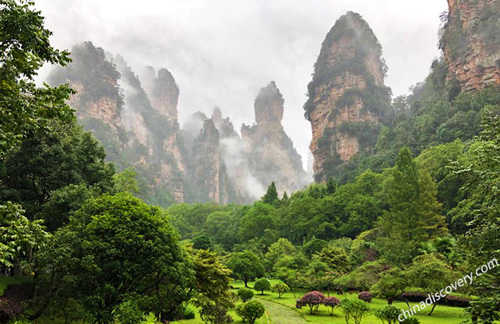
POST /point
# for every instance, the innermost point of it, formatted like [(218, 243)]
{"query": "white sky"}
[(221, 52)]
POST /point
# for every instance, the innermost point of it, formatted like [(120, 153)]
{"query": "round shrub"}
[(331, 302), (262, 285), (365, 296), (245, 294), (312, 299), (250, 311)]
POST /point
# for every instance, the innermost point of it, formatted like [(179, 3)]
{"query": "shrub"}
[(365, 296), (250, 311), (389, 314), (262, 284), (411, 320), (354, 309), (189, 313), (245, 294), (312, 299), (330, 303), (280, 288), (127, 313)]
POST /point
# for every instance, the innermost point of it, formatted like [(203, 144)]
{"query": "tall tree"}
[(413, 215), (482, 209), (271, 196), (24, 48), (246, 266), (115, 248)]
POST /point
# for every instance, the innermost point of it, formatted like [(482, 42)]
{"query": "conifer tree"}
[(271, 196), (413, 216)]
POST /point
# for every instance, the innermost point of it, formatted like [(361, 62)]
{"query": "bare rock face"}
[(347, 97), (272, 156), (471, 43), (162, 91), (207, 171)]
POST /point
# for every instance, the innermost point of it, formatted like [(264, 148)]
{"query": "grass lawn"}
[(282, 310), (5, 281)]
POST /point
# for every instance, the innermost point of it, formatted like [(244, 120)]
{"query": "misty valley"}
[(122, 202)]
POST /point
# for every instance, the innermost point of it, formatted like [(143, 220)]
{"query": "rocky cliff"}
[(347, 98), (207, 173), (471, 43), (135, 131), (136, 119), (272, 156)]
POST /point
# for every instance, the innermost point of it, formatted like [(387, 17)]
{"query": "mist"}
[(222, 52)]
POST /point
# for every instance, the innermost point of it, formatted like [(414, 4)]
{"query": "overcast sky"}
[(221, 52)]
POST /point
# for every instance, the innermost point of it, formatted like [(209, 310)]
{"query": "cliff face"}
[(135, 131), (347, 97), (207, 172), (471, 43), (271, 155)]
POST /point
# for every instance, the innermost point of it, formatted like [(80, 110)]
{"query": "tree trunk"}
[(246, 283), (389, 300), (434, 306)]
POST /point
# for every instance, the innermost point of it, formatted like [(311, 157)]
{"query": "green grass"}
[(280, 308), (6, 281)]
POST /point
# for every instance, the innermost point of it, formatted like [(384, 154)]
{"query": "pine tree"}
[(271, 196), (413, 215)]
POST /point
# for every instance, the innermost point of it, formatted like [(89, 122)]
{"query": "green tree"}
[(389, 314), (262, 285), (428, 272), (279, 249), (48, 162), (245, 294), (280, 288), (354, 309), (19, 237), (24, 48), (246, 266), (413, 215), (481, 210), (271, 196), (251, 311), (256, 220), (213, 295), (392, 284), (336, 258), (115, 248)]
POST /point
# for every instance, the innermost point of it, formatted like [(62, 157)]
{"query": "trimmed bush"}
[(330, 303), (250, 311), (245, 294), (365, 296), (312, 299), (262, 285)]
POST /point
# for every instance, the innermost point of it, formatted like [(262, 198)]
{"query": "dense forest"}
[(395, 224)]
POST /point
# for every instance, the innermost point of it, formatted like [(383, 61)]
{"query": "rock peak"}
[(347, 96), (269, 105)]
